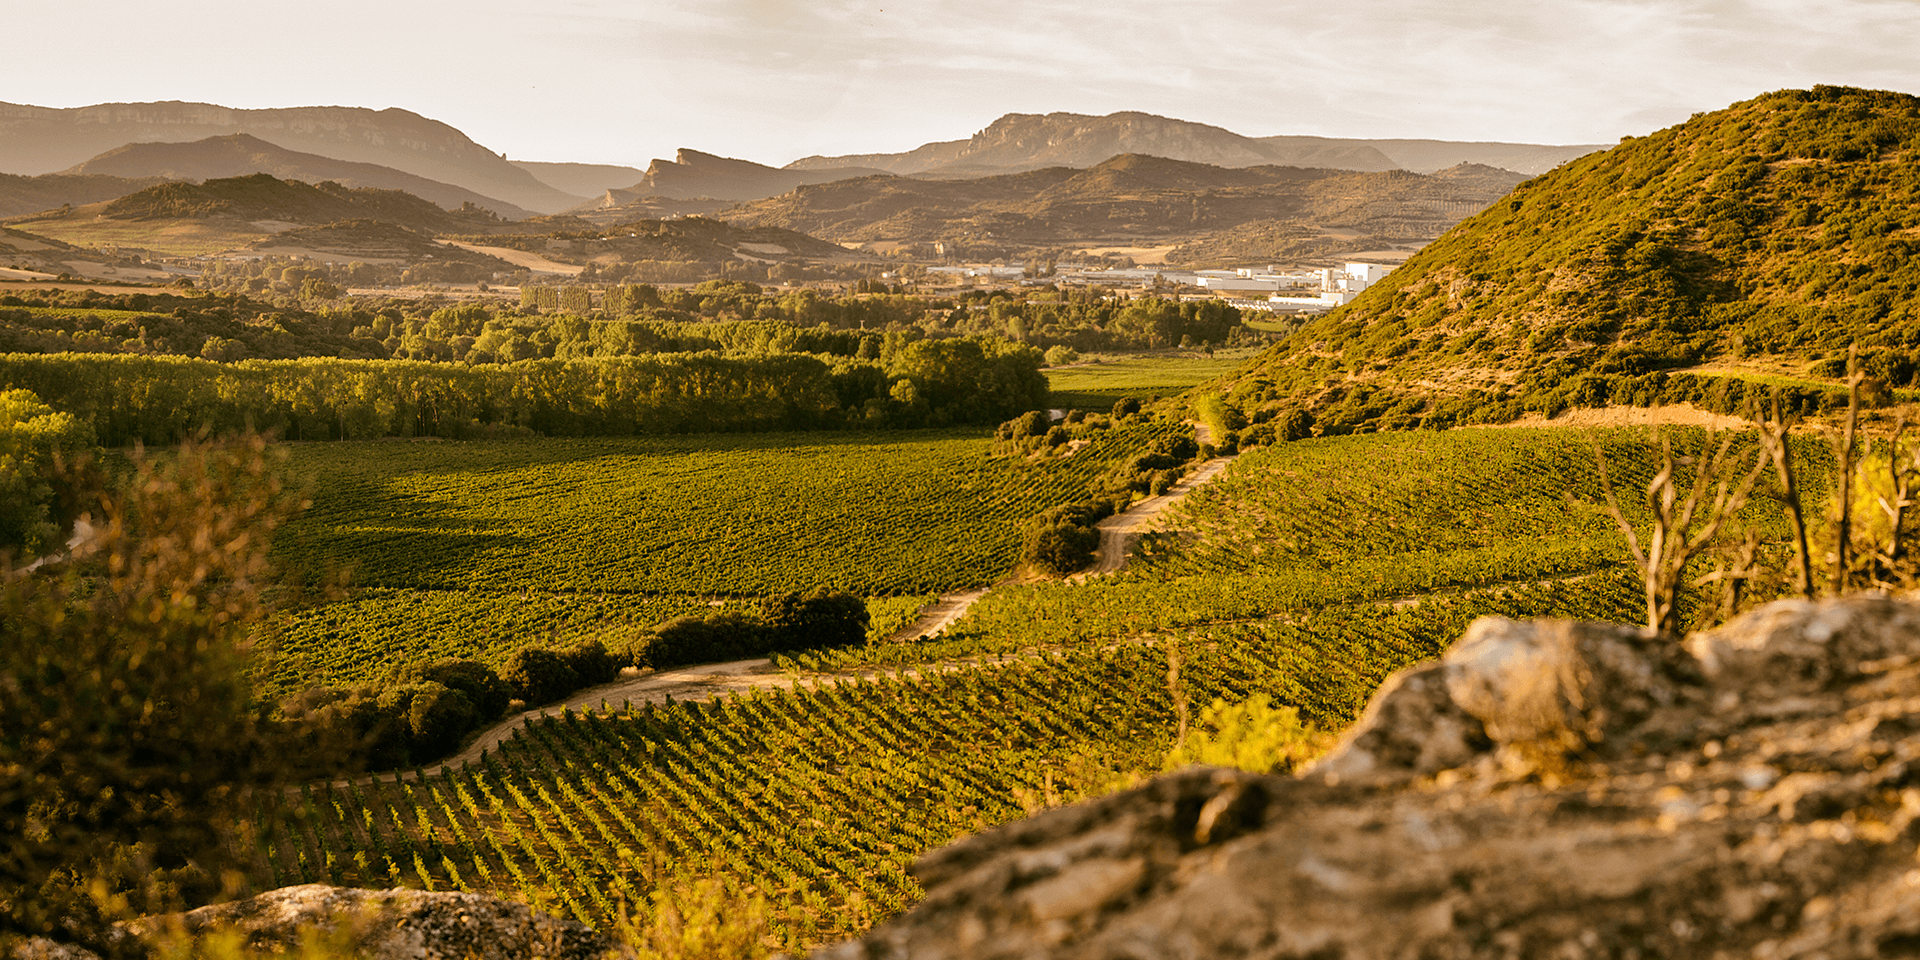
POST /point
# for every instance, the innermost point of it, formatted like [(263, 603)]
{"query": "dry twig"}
[(1682, 527)]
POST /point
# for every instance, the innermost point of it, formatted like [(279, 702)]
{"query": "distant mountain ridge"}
[(263, 197), (1018, 142), (240, 154), (692, 174), (37, 140), (1130, 196)]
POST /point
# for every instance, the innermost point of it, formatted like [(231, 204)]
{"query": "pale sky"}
[(774, 80)]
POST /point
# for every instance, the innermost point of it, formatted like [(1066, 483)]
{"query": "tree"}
[(36, 443), (127, 740)]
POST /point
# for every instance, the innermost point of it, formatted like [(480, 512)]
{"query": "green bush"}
[(482, 686), (539, 676), (1062, 548)]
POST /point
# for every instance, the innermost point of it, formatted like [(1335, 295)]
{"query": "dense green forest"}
[(1770, 235)]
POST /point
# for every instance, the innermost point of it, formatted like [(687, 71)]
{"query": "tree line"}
[(161, 399)]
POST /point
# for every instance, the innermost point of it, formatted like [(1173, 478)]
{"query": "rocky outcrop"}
[(1547, 789), (398, 924)]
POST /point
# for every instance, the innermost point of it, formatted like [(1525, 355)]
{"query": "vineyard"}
[(1310, 572), (1097, 385), (1344, 520), (476, 549), (817, 799)]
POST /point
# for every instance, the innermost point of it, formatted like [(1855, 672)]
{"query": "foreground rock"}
[(1548, 789), (378, 925)]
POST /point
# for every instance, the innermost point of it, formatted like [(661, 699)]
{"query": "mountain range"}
[(1018, 142), (240, 154), (1132, 198), (37, 140)]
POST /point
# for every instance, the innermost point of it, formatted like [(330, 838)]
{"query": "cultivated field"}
[(1310, 571), (475, 549), (1094, 386)]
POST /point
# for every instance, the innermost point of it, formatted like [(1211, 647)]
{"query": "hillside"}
[(1018, 142), (373, 241), (1131, 197), (239, 155), (45, 139), (1765, 237), (23, 195), (189, 218)]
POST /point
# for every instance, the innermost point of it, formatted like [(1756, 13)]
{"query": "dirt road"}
[(1119, 532)]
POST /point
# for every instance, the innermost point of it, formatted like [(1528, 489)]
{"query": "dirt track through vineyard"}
[(709, 681)]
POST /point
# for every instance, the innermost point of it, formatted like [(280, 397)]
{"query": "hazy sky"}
[(774, 80)]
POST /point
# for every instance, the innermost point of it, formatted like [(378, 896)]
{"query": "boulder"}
[(398, 924), (1547, 789)]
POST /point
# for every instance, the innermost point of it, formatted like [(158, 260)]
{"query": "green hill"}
[(1759, 239)]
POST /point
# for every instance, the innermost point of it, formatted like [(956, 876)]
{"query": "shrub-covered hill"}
[(1763, 237)]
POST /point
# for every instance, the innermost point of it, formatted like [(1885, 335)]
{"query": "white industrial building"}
[(1338, 286)]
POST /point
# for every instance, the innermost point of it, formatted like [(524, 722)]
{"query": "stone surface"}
[(1547, 789), (398, 924)]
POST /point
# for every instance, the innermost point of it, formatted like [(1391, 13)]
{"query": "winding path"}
[(710, 681)]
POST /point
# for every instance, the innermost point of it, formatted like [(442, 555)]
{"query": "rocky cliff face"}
[(1546, 790)]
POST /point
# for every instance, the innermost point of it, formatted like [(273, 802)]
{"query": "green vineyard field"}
[(817, 799), (475, 549), (1310, 572)]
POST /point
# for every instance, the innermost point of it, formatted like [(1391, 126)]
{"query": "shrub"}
[(539, 676), (1062, 548), (591, 663), (483, 687), (438, 716)]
